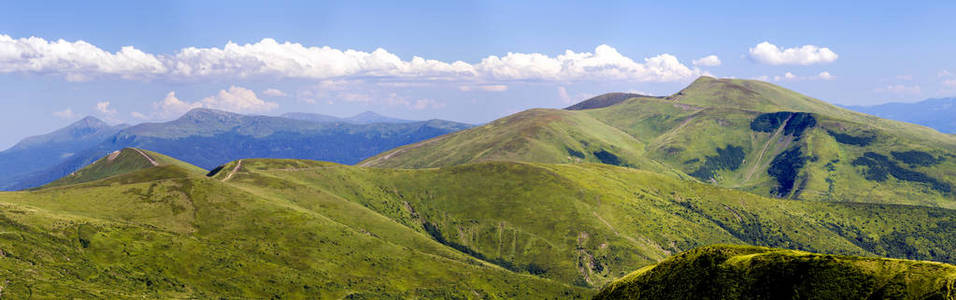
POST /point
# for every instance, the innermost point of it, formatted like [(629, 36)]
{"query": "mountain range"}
[(934, 113), (741, 134), (728, 188), (208, 138)]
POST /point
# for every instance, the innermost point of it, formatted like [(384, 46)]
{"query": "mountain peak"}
[(89, 122), (369, 117)]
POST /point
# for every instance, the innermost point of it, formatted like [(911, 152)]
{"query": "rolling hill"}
[(742, 134), (140, 224), (208, 138), (746, 272)]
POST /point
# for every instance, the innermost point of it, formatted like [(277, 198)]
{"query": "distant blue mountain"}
[(367, 117), (939, 114), (45, 151), (208, 138)]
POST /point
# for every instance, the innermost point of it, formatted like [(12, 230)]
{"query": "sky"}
[(468, 61)]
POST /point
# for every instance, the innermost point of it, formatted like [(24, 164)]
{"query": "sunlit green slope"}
[(741, 134), (746, 272), (169, 232), (586, 224)]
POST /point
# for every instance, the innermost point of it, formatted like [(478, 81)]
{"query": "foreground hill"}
[(280, 228), (208, 138), (167, 231), (746, 272), (741, 134), (933, 113), (586, 224)]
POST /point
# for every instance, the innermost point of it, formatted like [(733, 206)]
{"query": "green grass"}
[(587, 224), (305, 229), (685, 133), (747, 272)]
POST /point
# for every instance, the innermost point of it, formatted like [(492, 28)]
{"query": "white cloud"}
[(65, 114), (485, 88), (268, 58), (138, 115), (235, 99), (904, 77), (944, 73), (605, 63), (394, 99), (173, 107), (707, 61), (899, 89), (77, 61), (825, 76), (792, 77), (950, 83), (238, 99), (104, 108), (274, 92), (767, 53)]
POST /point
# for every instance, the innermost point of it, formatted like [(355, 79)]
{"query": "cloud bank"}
[(767, 53), (80, 60)]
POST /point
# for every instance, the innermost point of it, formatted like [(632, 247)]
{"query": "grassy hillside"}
[(168, 232), (747, 272), (121, 162), (586, 224), (741, 134), (537, 135)]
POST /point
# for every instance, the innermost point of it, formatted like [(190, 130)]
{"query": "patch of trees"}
[(727, 158), (879, 167), (795, 123), (607, 157), (916, 158), (843, 138), (784, 168), (574, 153)]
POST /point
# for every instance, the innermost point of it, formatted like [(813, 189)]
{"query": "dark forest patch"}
[(607, 157), (916, 158), (848, 139), (575, 153), (728, 158), (879, 167), (795, 123), (784, 168)]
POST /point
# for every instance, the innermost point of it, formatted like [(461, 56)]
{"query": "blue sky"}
[(479, 60)]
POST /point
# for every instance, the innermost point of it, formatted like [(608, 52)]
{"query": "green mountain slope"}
[(746, 272), (536, 135), (741, 134), (121, 162), (586, 224), (169, 232)]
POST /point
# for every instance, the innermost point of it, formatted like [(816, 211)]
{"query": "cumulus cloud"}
[(707, 61), (605, 63), (274, 92), (899, 89), (65, 114), (235, 99), (75, 60), (269, 58), (767, 53), (485, 88), (788, 76), (104, 108)]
